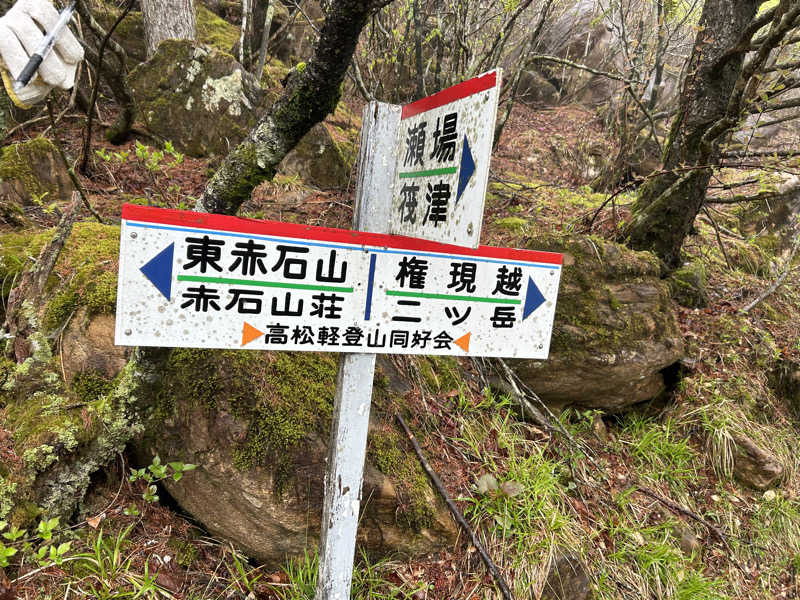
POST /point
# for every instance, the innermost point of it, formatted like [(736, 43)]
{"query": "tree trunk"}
[(311, 93), (668, 204), (167, 19)]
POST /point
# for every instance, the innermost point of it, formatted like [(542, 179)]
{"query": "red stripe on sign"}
[(451, 94), (185, 218)]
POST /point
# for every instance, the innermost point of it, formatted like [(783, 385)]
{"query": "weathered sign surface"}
[(444, 143), (209, 281)]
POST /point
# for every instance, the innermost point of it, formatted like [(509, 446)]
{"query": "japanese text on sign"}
[(219, 282), (443, 147)]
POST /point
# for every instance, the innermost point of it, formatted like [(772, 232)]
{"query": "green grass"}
[(369, 581), (661, 453)]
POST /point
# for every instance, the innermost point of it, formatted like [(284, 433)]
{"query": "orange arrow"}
[(249, 333), (463, 342)]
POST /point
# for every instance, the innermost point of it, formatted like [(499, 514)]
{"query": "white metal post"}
[(348, 440)]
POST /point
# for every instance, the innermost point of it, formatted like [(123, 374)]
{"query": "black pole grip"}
[(30, 70)]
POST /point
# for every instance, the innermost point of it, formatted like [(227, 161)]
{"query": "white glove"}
[(20, 35)]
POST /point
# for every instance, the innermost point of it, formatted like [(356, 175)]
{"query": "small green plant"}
[(157, 472)]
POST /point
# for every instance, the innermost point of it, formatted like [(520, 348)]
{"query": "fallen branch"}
[(777, 283), (682, 510), (68, 167), (32, 284), (498, 577)]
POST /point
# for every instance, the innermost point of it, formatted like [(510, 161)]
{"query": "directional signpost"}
[(413, 280), (210, 281), (443, 144)]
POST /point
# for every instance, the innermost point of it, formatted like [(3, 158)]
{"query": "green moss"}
[(59, 309), (514, 224), (688, 285), (612, 300), (16, 249), (300, 67), (90, 386), (416, 501), (214, 31), (283, 397), (15, 163), (440, 373), (89, 264), (101, 297), (184, 551)]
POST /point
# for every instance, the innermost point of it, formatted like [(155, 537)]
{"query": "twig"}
[(682, 510), (70, 170), (777, 283), (498, 577), (550, 421), (719, 238), (574, 65), (87, 142)]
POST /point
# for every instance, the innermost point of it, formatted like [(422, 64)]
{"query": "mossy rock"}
[(17, 249), (211, 31), (199, 98), (60, 434), (64, 428), (614, 331), (31, 174), (85, 275), (257, 425), (318, 160), (688, 285), (750, 258)]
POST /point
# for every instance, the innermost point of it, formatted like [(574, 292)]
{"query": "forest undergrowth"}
[(645, 501)]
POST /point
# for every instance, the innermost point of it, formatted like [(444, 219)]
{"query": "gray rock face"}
[(256, 424), (755, 467), (204, 102), (31, 173), (200, 99), (568, 579), (614, 331)]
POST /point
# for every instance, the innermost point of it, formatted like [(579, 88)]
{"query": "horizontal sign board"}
[(443, 147), (198, 280)]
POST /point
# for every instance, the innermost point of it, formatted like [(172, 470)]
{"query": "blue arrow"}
[(159, 270), (533, 299), (466, 171)]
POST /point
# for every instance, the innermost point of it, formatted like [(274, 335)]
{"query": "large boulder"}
[(200, 99), (256, 424), (31, 175), (204, 102), (211, 31), (614, 332)]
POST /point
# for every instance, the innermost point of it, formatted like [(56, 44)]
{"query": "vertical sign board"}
[(443, 144), (209, 281)]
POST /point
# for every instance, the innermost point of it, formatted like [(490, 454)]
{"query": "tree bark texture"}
[(310, 94), (114, 72), (668, 204), (168, 19)]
